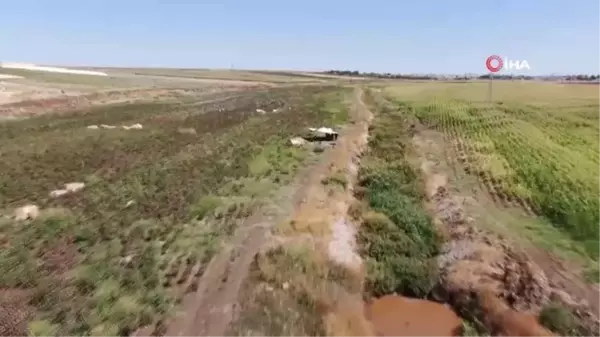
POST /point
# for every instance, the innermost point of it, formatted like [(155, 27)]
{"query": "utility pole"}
[(490, 87)]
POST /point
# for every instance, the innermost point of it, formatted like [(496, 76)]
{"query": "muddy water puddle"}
[(393, 315)]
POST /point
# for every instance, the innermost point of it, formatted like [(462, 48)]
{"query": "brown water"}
[(401, 316)]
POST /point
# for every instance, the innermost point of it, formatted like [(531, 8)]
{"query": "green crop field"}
[(535, 147)]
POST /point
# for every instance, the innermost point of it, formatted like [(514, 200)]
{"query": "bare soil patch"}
[(14, 312)]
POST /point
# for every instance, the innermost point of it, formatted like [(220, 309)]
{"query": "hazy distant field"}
[(72, 90), (523, 92), (219, 74)]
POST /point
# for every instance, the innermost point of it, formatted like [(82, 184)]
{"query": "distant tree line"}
[(506, 77), (582, 77), (355, 73)]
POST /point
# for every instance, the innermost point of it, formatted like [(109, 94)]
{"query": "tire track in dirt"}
[(324, 216), (211, 309)]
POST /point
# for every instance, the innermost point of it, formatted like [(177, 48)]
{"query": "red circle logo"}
[(489, 63)]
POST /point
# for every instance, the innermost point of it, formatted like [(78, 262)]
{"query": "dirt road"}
[(211, 309)]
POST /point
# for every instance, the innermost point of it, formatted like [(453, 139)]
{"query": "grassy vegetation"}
[(562, 321), (397, 237), (468, 329), (156, 206), (535, 147), (336, 179), (286, 301)]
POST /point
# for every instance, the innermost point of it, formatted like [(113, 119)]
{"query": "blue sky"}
[(416, 36)]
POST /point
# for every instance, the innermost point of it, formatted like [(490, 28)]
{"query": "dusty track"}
[(211, 309), (324, 215)]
